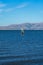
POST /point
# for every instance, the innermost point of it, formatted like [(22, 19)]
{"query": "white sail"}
[(22, 31)]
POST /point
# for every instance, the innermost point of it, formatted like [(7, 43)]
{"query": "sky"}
[(20, 11)]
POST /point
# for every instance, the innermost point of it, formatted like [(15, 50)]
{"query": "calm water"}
[(16, 49)]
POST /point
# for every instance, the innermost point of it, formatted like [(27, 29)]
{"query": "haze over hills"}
[(25, 26)]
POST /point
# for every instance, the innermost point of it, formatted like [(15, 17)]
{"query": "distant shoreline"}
[(25, 26)]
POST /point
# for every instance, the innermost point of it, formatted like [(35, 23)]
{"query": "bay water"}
[(18, 49)]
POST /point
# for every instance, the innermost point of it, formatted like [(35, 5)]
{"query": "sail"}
[(22, 31)]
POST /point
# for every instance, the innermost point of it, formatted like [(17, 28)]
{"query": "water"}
[(16, 49)]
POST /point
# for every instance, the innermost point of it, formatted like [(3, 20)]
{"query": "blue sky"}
[(20, 11)]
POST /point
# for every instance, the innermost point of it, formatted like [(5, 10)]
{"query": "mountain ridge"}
[(25, 26)]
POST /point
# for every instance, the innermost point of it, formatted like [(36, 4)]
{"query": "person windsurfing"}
[(22, 31)]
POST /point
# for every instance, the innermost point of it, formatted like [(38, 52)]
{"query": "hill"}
[(25, 26)]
